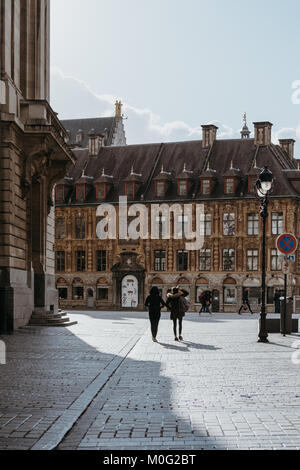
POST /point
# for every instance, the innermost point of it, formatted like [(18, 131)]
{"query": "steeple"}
[(245, 133)]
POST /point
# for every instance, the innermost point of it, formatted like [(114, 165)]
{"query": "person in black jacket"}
[(155, 303), (245, 303), (277, 301), (173, 304)]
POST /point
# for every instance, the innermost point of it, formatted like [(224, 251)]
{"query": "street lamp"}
[(263, 187)]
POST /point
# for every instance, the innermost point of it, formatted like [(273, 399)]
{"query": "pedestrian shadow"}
[(174, 347), (189, 345), (200, 346), (202, 319), (281, 345)]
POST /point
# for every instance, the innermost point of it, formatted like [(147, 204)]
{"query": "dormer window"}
[(104, 184), (79, 137), (182, 188), (162, 183), (101, 191), (80, 192), (133, 184), (206, 187), (130, 190), (253, 177), (232, 179), (160, 188), (184, 181), (229, 186), (208, 181), (60, 193)]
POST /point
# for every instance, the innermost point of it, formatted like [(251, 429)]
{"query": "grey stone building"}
[(33, 155)]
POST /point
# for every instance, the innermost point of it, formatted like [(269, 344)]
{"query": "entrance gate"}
[(130, 292)]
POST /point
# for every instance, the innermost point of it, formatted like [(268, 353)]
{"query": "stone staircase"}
[(42, 318)]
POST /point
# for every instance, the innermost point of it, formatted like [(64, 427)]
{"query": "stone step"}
[(48, 317), (39, 313), (49, 320), (71, 323), (49, 323)]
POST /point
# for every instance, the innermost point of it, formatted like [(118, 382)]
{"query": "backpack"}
[(184, 304)]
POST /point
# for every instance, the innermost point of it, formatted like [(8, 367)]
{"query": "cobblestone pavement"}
[(103, 384)]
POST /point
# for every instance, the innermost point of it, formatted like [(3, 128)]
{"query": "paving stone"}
[(219, 389)]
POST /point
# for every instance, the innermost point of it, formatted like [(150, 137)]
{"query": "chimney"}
[(288, 146), (209, 135), (95, 142), (262, 133)]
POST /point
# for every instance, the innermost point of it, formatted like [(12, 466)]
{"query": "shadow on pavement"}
[(48, 368), (188, 345)]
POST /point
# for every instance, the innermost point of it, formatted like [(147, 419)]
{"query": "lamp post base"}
[(262, 330), (263, 340)]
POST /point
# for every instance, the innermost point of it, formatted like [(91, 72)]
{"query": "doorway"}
[(130, 292)]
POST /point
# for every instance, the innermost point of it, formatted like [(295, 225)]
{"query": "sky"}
[(178, 64)]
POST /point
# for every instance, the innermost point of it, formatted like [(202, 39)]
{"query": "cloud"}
[(74, 98)]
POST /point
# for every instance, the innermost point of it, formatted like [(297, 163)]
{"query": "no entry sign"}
[(287, 243)]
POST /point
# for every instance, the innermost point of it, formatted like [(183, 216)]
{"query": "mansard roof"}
[(148, 160), (97, 125)]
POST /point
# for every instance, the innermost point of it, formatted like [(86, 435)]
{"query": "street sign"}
[(287, 243), (291, 258)]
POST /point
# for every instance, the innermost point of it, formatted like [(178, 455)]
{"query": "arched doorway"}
[(253, 285), (62, 287), (184, 283), (201, 286), (77, 289), (130, 292), (272, 285), (159, 283), (229, 292), (128, 282), (90, 297)]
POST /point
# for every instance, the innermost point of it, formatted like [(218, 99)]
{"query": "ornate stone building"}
[(33, 156), (220, 174)]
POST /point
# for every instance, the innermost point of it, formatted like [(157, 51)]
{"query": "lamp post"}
[(263, 187)]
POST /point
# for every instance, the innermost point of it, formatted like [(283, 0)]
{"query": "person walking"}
[(202, 302), (277, 301), (207, 301), (178, 307), (245, 301), (155, 303)]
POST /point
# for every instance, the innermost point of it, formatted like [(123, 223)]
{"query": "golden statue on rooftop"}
[(118, 105)]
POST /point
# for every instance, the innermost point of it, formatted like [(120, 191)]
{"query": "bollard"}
[(286, 326)]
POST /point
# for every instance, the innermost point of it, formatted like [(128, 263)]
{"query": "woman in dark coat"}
[(155, 303), (277, 301), (174, 305)]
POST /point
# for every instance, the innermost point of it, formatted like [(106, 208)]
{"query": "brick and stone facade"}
[(219, 174)]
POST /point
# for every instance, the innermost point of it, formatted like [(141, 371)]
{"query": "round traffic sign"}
[(287, 243)]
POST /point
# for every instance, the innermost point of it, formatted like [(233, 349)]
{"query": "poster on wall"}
[(130, 292)]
